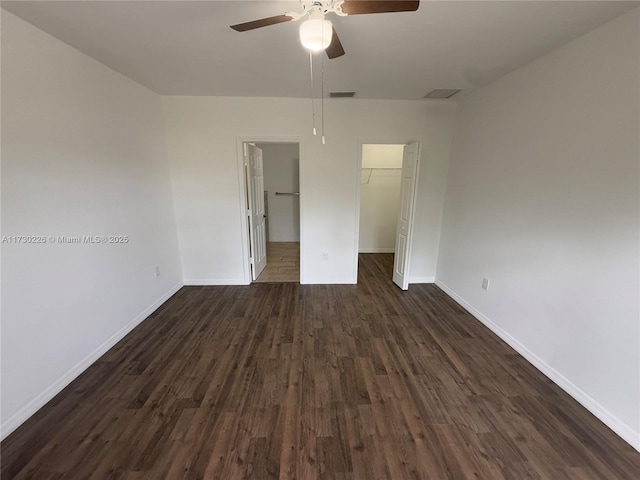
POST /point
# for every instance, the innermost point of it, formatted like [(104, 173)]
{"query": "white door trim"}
[(242, 189)]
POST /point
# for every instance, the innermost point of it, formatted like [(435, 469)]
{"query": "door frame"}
[(242, 188), (377, 141)]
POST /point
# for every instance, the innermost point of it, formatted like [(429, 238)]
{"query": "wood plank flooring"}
[(283, 263), (314, 382)]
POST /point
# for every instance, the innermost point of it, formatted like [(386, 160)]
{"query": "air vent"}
[(342, 94), (442, 93)]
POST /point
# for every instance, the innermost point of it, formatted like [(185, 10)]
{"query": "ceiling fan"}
[(317, 33)]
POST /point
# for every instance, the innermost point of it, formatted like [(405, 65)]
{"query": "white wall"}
[(382, 156), (282, 174), (202, 137), (542, 198), (379, 197), (82, 154)]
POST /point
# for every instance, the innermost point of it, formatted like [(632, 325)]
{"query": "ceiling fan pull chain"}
[(313, 107), (322, 99)]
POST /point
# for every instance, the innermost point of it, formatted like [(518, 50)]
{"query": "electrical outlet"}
[(485, 283), (157, 271), (325, 256)]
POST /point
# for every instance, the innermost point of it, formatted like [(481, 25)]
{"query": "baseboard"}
[(620, 428), (422, 280), (376, 250), (41, 400), (323, 281), (211, 282)]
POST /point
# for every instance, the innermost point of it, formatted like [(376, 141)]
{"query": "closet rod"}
[(287, 193)]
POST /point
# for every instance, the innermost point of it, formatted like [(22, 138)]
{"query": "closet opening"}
[(388, 179)]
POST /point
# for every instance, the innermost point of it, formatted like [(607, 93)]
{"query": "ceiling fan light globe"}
[(315, 34)]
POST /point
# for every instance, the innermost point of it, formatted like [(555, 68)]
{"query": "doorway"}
[(279, 208), (388, 179)]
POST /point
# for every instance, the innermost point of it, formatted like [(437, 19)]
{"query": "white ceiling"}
[(187, 48)]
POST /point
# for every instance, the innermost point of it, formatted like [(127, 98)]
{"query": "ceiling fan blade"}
[(360, 7), (335, 49), (263, 22)]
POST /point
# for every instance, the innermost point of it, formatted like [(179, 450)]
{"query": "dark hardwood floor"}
[(323, 381)]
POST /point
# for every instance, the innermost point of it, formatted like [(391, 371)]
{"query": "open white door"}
[(255, 203), (404, 231)]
